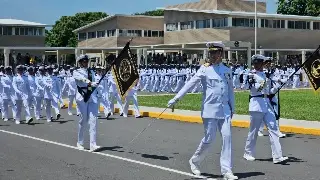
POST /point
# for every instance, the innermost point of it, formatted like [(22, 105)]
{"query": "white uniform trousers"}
[(37, 109), (210, 128), (296, 81), (255, 123), (131, 95), (104, 101), (48, 103), (116, 96), (5, 109), (55, 104), (88, 114), (71, 99), (19, 108)]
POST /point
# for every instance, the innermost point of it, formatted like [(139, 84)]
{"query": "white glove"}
[(94, 84), (172, 102)]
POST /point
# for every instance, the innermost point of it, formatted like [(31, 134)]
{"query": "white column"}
[(237, 56), (117, 32), (103, 56), (229, 54), (286, 24), (205, 54), (43, 58), (43, 32), (311, 25), (139, 52), (58, 57), (179, 26), (153, 51), (261, 52), (165, 27), (14, 56), (303, 53), (6, 53), (14, 31), (249, 57), (194, 24), (259, 23), (77, 54), (211, 23), (142, 33), (229, 21), (278, 57), (145, 54)]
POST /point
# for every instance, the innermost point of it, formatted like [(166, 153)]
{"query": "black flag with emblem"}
[(312, 69), (125, 71)]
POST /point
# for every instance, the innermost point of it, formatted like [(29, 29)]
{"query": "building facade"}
[(21, 33), (117, 30)]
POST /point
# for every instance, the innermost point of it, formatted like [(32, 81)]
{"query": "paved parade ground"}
[(47, 151)]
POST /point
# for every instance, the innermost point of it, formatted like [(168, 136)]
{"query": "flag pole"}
[(255, 27)]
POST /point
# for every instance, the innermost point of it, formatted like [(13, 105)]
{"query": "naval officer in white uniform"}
[(88, 110), (218, 107), (261, 110)]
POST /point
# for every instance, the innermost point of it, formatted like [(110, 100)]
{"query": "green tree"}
[(299, 7), (158, 12), (61, 34)]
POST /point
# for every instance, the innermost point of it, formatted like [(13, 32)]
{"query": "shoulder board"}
[(206, 64)]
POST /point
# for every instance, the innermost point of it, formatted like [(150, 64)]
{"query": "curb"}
[(198, 119)]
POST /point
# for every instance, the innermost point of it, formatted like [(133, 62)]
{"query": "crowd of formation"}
[(171, 78), (46, 86)]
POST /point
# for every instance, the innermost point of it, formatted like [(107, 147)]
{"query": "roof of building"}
[(110, 17), (246, 14), (20, 23)]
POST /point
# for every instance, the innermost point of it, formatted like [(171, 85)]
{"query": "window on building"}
[(155, 33), (7, 30), (283, 23), (316, 26), (82, 36), (298, 25), (137, 33), (172, 26), (242, 22), (219, 22), (186, 25), (111, 33), (291, 24), (161, 33), (101, 34), (91, 35), (0, 30), (200, 24)]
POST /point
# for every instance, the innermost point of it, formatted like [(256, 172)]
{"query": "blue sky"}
[(48, 11)]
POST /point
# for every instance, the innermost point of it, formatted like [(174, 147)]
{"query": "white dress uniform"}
[(114, 94), (132, 94), (71, 86), (261, 110), (7, 96), (33, 87), (218, 107), (89, 109), (21, 95), (39, 94), (48, 95)]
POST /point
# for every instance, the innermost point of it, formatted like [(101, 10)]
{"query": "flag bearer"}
[(88, 110)]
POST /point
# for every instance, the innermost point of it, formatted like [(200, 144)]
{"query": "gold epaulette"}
[(207, 64)]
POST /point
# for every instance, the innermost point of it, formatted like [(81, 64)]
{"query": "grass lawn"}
[(295, 104)]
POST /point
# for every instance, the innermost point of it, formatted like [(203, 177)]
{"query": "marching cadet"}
[(21, 95), (101, 92), (48, 93), (6, 82), (261, 110), (132, 94), (39, 94), (33, 87), (88, 110), (218, 107), (71, 86), (114, 95), (56, 90)]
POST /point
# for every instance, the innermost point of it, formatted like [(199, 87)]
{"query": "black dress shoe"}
[(109, 114), (121, 114), (139, 117), (58, 116)]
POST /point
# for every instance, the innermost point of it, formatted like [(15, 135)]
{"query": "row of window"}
[(21, 31), (122, 33), (241, 22), (200, 24)]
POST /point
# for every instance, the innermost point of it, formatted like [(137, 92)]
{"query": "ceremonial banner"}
[(125, 71), (312, 69)]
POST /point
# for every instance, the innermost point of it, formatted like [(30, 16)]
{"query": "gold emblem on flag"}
[(125, 70), (315, 69)]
